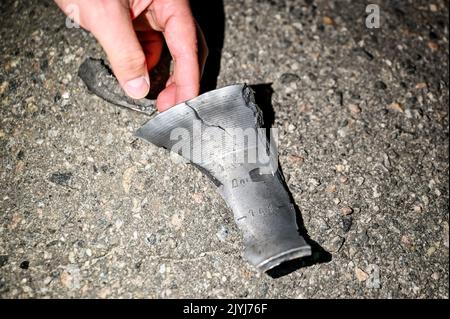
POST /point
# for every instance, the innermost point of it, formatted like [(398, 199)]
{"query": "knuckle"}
[(100, 10), (131, 62)]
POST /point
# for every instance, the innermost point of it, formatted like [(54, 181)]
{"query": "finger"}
[(111, 25), (179, 30), (167, 98)]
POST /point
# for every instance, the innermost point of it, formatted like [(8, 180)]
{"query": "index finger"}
[(180, 32)]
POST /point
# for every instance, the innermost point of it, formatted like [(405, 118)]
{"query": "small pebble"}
[(433, 7), (346, 210), (328, 21), (295, 159), (3, 87), (291, 128), (47, 280), (287, 78), (336, 244), (60, 178), (359, 180), (331, 188), (421, 85), (417, 208), (176, 221), (162, 269), (347, 223), (380, 85), (104, 292), (127, 178), (433, 45), (314, 182), (66, 279), (32, 108), (431, 251), (24, 264), (222, 233), (361, 275), (406, 241), (3, 260), (197, 197), (343, 179), (151, 239), (395, 107), (354, 109)]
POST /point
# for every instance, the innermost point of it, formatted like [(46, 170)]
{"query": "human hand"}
[(131, 33)]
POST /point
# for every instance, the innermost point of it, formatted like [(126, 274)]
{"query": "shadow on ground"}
[(263, 98), (210, 16)]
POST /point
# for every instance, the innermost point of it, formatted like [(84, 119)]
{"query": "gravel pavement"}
[(86, 210)]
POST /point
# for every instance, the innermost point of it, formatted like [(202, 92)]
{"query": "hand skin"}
[(131, 33)]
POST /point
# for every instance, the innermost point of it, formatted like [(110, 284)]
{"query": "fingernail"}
[(138, 87)]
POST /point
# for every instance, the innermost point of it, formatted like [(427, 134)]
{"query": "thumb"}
[(113, 28)]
